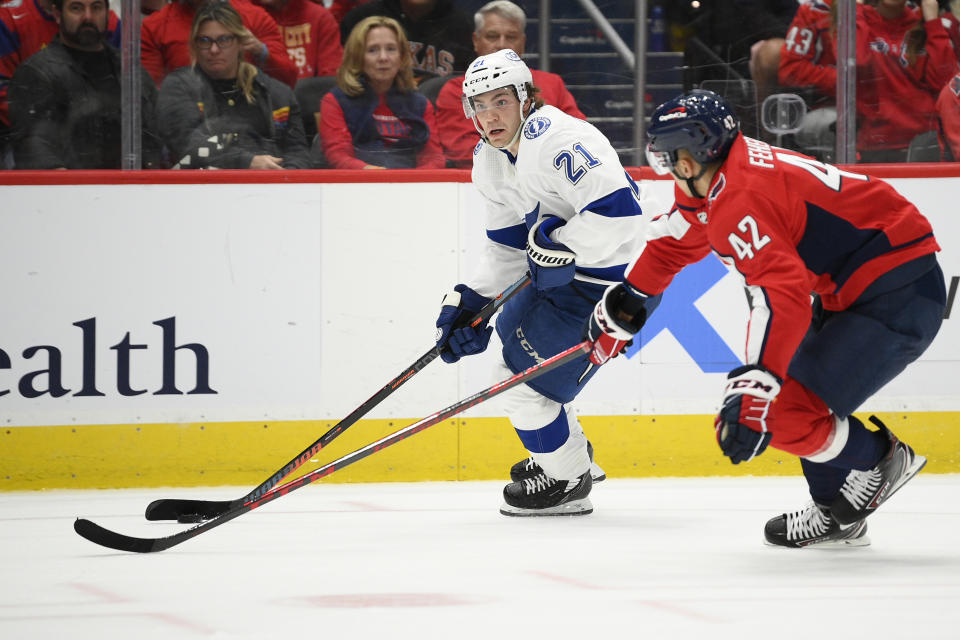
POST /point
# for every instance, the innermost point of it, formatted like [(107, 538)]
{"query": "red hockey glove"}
[(741, 425)]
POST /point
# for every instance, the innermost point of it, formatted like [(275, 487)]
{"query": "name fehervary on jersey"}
[(759, 153)]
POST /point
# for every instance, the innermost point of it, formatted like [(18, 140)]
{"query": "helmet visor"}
[(661, 162)]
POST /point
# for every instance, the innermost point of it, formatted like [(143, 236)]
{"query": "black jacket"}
[(198, 137), (441, 42), (60, 117)]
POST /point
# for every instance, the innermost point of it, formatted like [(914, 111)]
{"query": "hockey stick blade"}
[(187, 510), (113, 540), (195, 510)]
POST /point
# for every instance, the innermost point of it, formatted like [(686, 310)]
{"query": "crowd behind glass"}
[(375, 84)]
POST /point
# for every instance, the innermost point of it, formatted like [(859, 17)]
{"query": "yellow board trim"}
[(245, 453)]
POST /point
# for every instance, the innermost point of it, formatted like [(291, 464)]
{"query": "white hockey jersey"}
[(564, 167)]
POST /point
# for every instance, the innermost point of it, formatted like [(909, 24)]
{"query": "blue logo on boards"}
[(477, 148), (535, 127), (679, 315)]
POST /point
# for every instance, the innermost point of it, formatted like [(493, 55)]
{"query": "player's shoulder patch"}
[(536, 127), (477, 148), (955, 85)]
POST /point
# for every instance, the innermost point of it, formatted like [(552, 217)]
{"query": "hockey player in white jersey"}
[(559, 204)]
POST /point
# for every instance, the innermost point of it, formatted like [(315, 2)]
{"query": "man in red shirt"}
[(164, 34), (311, 34), (795, 229), (499, 25), (26, 26), (948, 108), (808, 59)]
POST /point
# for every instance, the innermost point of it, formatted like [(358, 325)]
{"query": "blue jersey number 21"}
[(566, 161)]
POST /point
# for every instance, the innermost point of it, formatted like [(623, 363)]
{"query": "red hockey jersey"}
[(791, 226), (808, 56), (896, 98), (948, 107)]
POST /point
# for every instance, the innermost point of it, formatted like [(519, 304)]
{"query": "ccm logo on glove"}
[(741, 425)]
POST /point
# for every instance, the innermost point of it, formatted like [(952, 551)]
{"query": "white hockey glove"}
[(741, 425)]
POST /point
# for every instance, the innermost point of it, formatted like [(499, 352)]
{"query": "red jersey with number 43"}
[(791, 226)]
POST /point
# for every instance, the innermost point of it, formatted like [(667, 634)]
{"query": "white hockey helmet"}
[(502, 68)]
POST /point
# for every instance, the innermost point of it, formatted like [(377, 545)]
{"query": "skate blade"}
[(860, 541), (919, 462), (574, 508), (596, 473)]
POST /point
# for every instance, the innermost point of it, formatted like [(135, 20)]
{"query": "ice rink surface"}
[(659, 558)]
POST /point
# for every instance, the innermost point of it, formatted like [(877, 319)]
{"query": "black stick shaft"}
[(173, 508), (104, 537)]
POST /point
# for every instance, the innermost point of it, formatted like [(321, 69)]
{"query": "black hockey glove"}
[(615, 320), (741, 425), (454, 335)]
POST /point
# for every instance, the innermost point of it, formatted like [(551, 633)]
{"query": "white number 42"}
[(828, 174), (745, 248)]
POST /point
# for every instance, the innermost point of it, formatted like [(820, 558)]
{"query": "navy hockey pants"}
[(536, 325)]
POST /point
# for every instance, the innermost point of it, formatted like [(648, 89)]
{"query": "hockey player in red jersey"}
[(796, 230)]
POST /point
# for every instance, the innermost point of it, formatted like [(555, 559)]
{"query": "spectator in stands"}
[(164, 38), (500, 25), (727, 33), (340, 8), (65, 99), (375, 118), (151, 6), (224, 112), (808, 60), (948, 108), (25, 28), (311, 34), (904, 58), (438, 32)]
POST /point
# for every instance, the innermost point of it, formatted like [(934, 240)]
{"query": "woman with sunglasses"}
[(222, 112)]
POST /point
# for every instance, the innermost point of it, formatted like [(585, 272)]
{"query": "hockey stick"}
[(106, 538), (185, 510)]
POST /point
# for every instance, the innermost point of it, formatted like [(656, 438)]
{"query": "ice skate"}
[(528, 468), (813, 526), (864, 491), (541, 495)]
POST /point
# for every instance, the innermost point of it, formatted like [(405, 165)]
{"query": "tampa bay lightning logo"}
[(511, 55), (477, 148), (535, 127)]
